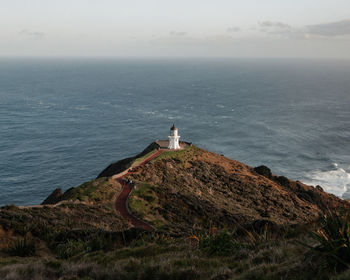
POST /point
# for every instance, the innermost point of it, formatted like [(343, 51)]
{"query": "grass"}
[(143, 201), (333, 238), (81, 241), (187, 153), (222, 244), (22, 248), (71, 248), (158, 256), (142, 158), (343, 276), (51, 225), (163, 257), (95, 191)]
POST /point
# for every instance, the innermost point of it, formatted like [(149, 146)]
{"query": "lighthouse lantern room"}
[(174, 138)]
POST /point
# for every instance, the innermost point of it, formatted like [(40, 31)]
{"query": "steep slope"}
[(188, 195), (123, 164), (194, 188)]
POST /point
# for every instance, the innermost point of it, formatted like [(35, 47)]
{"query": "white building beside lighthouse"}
[(174, 138)]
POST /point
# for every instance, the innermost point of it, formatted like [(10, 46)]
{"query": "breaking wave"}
[(336, 181)]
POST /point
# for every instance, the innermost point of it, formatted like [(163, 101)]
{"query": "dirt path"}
[(121, 203)]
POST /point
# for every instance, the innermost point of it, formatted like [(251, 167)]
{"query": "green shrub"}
[(22, 248), (56, 265), (333, 241), (100, 242), (283, 181), (70, 248), (221, 244), (264, 171), (157, 273)]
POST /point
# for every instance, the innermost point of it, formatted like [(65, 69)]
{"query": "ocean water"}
[(63, 121)]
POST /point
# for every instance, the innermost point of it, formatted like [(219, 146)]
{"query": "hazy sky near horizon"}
[(206, 28)]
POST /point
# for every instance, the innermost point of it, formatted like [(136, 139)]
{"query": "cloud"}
[(177, 33), (324, 30), (274, 25), (32, 35), (267, 39), (339, 28), (280, 29), (233, 29)]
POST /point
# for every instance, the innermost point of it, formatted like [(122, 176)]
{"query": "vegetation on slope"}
[(216, 219), (206, 255), (193, 188), (124, 164), (100, 191), (47, 222), (333, 238), (145, 200)]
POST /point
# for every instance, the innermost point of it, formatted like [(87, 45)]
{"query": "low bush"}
[(264, 171), (221, 244), (70, 248), (333, 239), (283, 181), (101, 242), (22, 248)]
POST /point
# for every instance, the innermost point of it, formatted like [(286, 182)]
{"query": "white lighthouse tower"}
[(174, 138)]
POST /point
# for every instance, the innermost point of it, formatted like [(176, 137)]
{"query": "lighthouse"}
[(174, 138)]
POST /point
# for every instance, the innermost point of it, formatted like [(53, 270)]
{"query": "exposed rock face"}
[(54, 197), (196, 188)]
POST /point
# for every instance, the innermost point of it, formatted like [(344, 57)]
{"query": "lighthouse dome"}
[(173, 127)]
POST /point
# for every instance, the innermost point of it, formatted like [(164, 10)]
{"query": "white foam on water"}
[(220, 106), (150, 112), (81, 107), (336, 181)]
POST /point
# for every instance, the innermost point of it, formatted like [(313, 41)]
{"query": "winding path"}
[(121, 203)]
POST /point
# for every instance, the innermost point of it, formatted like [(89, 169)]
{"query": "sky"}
[(181, 28)]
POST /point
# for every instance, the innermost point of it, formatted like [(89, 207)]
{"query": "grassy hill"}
[(216, 218), (194, 188)]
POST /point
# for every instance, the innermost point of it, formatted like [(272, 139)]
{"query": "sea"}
[(63, 120)]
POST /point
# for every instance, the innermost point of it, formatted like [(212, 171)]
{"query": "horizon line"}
[(113, 57)]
